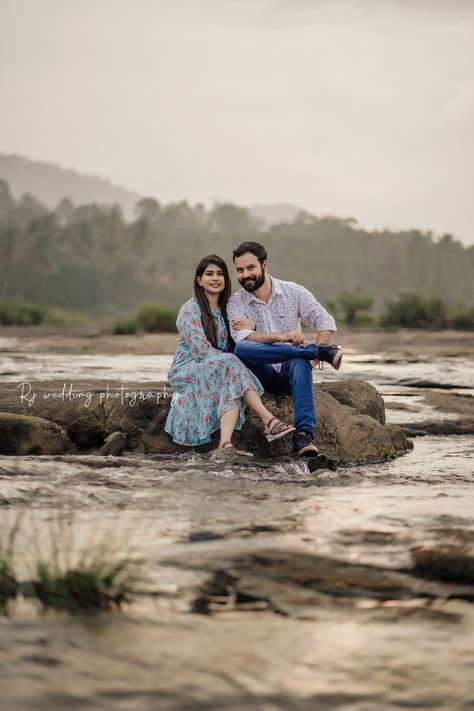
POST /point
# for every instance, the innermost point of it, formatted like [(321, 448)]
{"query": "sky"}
[(354, 108)]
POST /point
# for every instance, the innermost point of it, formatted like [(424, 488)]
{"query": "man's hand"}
[(314, 363), (243, 322), (295, 337)]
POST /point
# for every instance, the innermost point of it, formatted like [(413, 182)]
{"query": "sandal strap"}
[(225, 445), (277, 426)]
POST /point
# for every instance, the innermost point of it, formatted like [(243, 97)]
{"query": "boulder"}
[(24, 434), (359, 394), (351, 419)]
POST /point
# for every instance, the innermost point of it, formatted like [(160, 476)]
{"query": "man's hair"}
[(258, 250)]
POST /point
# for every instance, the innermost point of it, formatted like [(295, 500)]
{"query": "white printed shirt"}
[(289, 304)]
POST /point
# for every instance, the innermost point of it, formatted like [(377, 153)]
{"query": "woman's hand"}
[(243, 322)]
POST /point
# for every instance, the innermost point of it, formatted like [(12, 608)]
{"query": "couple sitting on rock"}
[(212, 385)]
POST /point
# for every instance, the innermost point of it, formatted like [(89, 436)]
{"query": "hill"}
[(50, 183)]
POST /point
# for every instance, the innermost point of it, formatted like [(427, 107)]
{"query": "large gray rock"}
[(351, 419)]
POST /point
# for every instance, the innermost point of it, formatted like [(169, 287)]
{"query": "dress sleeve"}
[(312, 313), (192, 332)]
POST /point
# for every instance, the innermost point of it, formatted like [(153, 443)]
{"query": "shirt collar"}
[(276, 291)]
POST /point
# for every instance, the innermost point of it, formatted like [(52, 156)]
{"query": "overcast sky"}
[(356, 108)]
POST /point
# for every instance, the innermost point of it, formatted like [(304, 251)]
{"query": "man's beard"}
[(253, 283)]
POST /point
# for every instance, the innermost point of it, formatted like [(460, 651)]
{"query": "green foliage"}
[(87, 257), (157, 318), (97, 586), (350, 305), (463, 319), (15, 312), (125, 327), (414, 311), (100, 578), (9, 586)]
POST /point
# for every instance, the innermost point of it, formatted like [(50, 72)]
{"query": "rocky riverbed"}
[(266, 585)]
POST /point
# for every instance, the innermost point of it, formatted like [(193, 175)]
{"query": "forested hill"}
[(88, 257), (50, 183)]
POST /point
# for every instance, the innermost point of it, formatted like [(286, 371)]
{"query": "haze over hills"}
[(50, 183)]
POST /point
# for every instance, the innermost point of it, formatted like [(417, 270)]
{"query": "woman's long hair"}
[(207, 318)]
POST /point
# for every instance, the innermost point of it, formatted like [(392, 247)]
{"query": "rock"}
[(447, 562), (431, 384), (359, 394), (460, 426), (24, 434), (350, 415), (114, 444), (298, 584), (87, 431), (399, 438)]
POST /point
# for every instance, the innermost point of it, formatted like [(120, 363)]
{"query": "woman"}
[(211, 385)]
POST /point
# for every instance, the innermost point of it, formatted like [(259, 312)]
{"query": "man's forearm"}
[(324, 336), (267, 337)]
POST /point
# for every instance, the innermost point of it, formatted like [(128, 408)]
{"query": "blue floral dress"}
[(205, 380)]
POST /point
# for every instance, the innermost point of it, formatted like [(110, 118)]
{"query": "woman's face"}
[(212, 280)]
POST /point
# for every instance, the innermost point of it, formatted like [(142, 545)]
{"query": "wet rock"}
[(449, 562), (431, 384), (24, 434), (399, 438), (460, 426), (114, 444), (451, 403), (298, 585), (358, 394)]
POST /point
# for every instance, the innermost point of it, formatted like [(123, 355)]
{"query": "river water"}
[(246, 533)]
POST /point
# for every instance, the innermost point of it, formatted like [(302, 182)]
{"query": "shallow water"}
[(190, 519)]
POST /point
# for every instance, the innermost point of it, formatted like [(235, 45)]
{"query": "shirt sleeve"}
[(192, 332), (312, 313), (234, 310)]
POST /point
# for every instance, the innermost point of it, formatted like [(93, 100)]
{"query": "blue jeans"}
[(295, 376)]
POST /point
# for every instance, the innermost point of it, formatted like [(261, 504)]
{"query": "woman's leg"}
[(228, 421), (253, 400)]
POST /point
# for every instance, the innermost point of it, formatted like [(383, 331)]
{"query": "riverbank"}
[(94, 340)]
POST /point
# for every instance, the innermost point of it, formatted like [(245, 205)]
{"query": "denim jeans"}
[(295, 376)]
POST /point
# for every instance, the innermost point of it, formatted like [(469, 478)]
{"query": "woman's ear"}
[(199, 281)]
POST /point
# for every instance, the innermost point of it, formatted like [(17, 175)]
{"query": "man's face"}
[(250, 273)]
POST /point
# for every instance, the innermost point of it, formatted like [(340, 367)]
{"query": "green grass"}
[(96, 578), (99, 586)]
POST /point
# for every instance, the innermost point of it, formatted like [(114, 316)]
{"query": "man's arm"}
[(294, 337)]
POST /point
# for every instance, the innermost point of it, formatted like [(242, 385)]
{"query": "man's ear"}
[(265, 265)]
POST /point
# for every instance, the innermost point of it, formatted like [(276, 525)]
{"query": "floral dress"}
[(205, 380)]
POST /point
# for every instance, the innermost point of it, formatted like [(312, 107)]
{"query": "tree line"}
[(89, 258)]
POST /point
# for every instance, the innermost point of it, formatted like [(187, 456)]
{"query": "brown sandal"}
[(275, 428)]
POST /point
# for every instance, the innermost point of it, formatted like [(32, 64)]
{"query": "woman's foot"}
[(275, 428), (226, 449)]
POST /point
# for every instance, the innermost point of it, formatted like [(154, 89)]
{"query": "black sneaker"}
[(332, 354), (303, 445)]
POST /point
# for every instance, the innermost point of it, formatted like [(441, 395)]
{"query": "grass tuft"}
[(101, 586)]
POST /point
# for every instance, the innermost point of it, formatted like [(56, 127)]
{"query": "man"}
[(276, 350)]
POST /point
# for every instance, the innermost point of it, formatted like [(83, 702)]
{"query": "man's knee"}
[(243, 348), (298, 365)]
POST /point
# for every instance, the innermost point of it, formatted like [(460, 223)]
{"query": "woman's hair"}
[(207, 318)]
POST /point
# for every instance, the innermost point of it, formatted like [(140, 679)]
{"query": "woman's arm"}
[(192, 332)]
